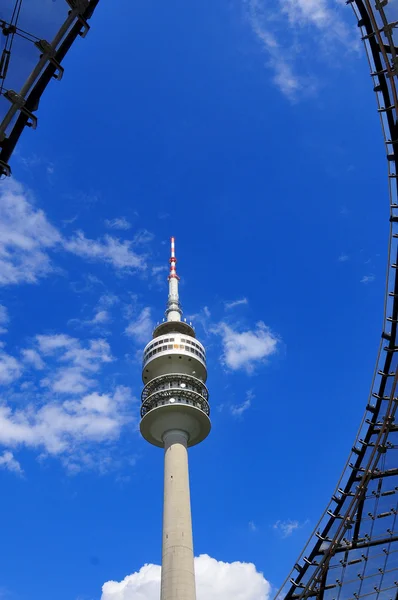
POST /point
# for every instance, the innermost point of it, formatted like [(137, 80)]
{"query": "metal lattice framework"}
[(35, 36), (353, 551)]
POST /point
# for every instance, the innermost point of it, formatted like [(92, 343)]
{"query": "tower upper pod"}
[(174, 373)]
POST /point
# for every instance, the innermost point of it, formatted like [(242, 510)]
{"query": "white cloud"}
[(10, 368), (32, 357), (101, 317), (4, 319), (343, 257), (107, 300), (287, 527), (110, 250), (368, 278), (48, 344), (289, 82), (234, 303), (118, 223), (247, 349), (34, 160), (141, 328), (27, 237), (68, 414), (7, 461), (307, 11), (143, 237), (215, 580), (288, 31), (61, 427), (202, 318), (322, 15), (68, 380), (252, 526), (159, 275), (237, 410), (75, 362), (159, 269)]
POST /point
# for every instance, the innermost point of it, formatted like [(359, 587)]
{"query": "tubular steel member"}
[(353, 551), (28, 61)]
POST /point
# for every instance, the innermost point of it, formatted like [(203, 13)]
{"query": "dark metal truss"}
[(30, 58), (353, 551)]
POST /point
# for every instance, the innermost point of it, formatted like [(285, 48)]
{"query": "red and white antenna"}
[(173, 312), (173, 260)]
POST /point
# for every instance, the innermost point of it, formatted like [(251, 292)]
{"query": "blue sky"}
[(248, 130)]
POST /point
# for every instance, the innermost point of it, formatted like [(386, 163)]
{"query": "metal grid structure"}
[(35, 36), (353, 551)]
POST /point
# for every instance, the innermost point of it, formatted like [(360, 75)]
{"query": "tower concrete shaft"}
[(174, 416), (178, 574)]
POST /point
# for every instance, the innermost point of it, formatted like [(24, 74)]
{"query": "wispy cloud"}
[(77, 362), (158, 275), (285, 78), (108, 249), (4, 318), (343, 258), (235, 303), (27, 238), (252, 526), (143, 237), (368, 278), (7, 461), (34, 160), (141, 328), (323, 15), (101, 317), (118, 223), (203, 318), (159, 269), (237, 410), (10, 368), (289, 30), (287, 527), (33, 358)]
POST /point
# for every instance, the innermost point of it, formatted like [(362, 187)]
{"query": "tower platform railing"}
[(172, 380)]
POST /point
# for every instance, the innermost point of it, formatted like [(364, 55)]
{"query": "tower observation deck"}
[(174, 416), (353, 551)]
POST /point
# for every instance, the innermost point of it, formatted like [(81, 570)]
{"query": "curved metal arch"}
[(353, 550), (38, 59)]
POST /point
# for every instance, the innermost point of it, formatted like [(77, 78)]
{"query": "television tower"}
[(174, 416)]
